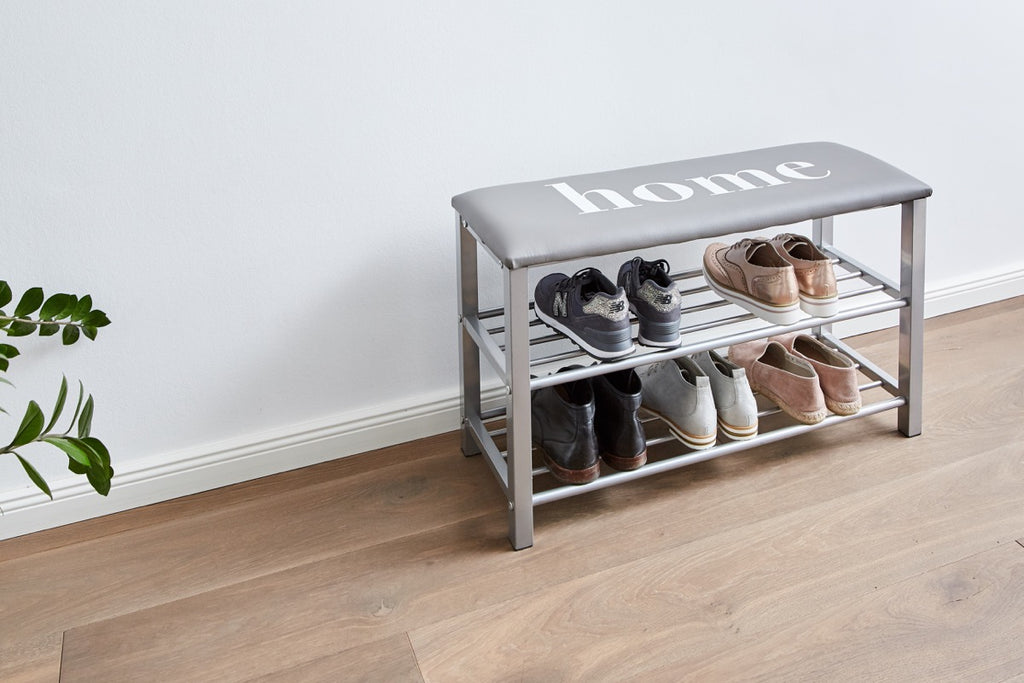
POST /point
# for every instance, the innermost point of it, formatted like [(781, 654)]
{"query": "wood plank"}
[(52, 591), (390, 659), (281, 578), (686, 606), (212, 500), (405, 584), (35, 660), (957, 622)]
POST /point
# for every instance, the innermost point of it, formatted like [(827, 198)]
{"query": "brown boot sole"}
[(617, 462), (567, 476)]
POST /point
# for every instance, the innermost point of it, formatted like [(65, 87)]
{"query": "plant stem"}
[(30, 321)]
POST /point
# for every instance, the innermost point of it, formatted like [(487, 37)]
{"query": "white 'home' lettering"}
[(715, 184)]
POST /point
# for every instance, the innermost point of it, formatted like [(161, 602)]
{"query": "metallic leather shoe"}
[(562, 420), (679, 393), (752, 275), (620, 435), (814, 274), (734, 400)]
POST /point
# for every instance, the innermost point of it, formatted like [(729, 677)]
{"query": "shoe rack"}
[(526, 355)]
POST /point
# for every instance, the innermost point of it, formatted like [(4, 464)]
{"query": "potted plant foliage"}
[(72, 317)]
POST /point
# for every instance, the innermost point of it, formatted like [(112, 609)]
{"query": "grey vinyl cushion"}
[(559, 219)]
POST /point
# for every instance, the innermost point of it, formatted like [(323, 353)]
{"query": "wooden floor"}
[(850, 553)]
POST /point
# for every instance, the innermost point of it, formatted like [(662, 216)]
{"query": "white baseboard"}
[(209, 466), (959, 297), (176, 474)]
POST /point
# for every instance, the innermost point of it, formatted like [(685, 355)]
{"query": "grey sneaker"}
[(734, 400), (679, 393), (655, 300), (589, 310)]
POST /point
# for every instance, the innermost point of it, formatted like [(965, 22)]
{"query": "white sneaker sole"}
[(697, 442), (601, 354), (819, 308), (737, 433), (777, 315)]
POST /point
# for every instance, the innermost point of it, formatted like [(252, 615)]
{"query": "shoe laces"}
[(581, 277), (649, 270), (750, 242)]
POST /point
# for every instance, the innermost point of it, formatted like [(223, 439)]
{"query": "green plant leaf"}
[(6, 381), (62, 396), (100, 480), (4, 364), (69, 308), (20, 329), (76, 467), (78, 406), (34, 476), (70, 335), (103, 455), (74, 448), (82, 308), (54, 305), (5, 293), (100, 459), (96, 319), (48, 329), (85, 421), (8, 351), (89, 332), (101, 472), (31, 426), (30, 301)]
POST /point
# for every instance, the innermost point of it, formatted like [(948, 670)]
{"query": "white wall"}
[(258, 192)]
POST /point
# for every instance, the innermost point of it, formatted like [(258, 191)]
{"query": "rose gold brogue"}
[(814, 274), (753, 275)]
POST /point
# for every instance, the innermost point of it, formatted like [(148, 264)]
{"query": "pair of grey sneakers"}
[(594, 312), (698, 396)]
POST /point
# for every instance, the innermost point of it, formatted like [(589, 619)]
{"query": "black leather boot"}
[(563, 430), (620, 436)]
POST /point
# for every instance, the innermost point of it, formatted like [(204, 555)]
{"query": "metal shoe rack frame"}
[(502, 336)]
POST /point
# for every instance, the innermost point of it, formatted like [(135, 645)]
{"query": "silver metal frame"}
[(911, 370), (502, 337)]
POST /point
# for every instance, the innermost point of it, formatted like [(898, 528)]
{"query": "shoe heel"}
[(660, 334), (820, 308)]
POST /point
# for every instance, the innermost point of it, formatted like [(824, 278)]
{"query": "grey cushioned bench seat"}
[(559, 219)]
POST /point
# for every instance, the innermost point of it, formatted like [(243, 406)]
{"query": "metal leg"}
[(822, 236), (469, 353), (911, 362), (517, 364)]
